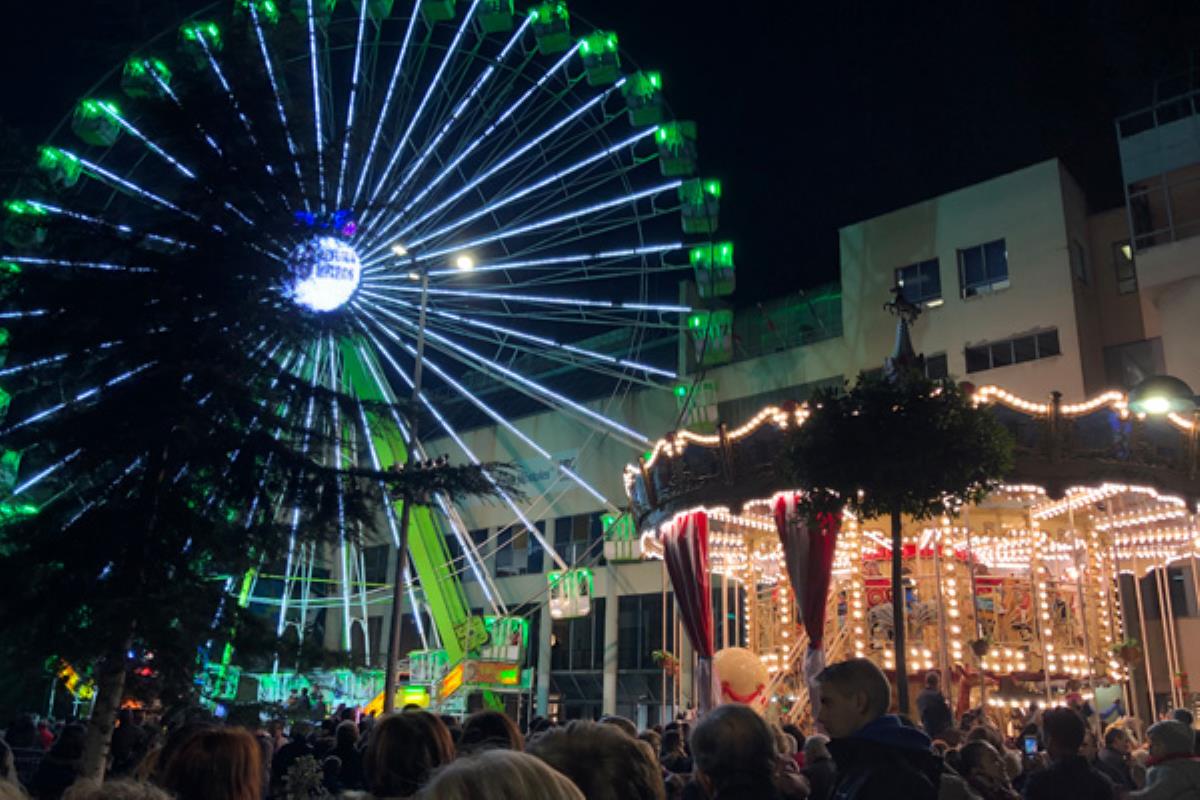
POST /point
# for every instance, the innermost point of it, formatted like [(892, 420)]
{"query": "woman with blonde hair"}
[(216, 764), (499, 774)]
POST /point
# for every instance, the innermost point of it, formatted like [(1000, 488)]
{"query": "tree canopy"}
[(902, 444)]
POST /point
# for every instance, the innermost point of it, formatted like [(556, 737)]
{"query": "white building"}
[(1021, 286)]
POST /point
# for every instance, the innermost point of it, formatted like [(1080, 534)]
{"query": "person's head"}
[(1169, 738), (216, 764), (852, 693), (1184, 716), (499, 775), (652, 738), (301, 731), (733, 747), (1065, 731), (604, 762), (1117, 738), (539, 724), (795, 733), (622, 724), (486, 730), (785, 744), (403, 750), (21, 732), (815, 748), (346, 735), (69, 744), (953, 737), (304, 692), (979, 758), (933, 680), (115, 790), (986, 733), (672, 743), (1090, 747)]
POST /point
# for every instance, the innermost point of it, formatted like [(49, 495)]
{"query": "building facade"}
[(1021, 287)]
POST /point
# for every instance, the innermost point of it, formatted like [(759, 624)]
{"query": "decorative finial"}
[(901, 306)]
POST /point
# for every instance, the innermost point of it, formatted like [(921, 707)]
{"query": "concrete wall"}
[(1026, 209)]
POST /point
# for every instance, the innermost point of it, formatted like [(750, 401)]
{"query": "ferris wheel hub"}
[(323, 273)]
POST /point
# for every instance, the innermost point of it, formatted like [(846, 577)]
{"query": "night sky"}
[(814, 115)]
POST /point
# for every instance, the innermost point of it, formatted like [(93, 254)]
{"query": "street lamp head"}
[(465, 263), (399, 250), (1160, 395)]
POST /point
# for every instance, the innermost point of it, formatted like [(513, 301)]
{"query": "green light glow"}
[(266, 10), (9, 268), (597, 43), (208, 32), (5, 338), (551, 27), (496, 16), (681, 391), (23, 207)]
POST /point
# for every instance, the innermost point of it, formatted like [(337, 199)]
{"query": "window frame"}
[(1036, 338), (989, 284), (920, 267), (1127, 284)]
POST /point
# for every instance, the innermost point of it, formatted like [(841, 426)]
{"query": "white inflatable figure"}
[(741, 677)]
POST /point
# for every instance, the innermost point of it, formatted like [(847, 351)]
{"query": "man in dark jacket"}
[(933, 708), (876, 756), (1113, 759), (1069, 774)]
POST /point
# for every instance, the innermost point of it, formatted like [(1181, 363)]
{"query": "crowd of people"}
[(731, 753)]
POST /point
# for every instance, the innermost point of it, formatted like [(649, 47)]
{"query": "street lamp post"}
[(465, 263), (393, 656)]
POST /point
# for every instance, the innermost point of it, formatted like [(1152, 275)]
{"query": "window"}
[(375, 563), (1125, 267), (936, 367), (1078, 261), (922, 282), (1012, 351), (1127, 365), (983, 268)]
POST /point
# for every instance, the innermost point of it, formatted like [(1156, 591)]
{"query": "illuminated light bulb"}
[(464, 262), (399, 250)]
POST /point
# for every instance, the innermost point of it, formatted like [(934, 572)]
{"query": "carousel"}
[(1026, 598)]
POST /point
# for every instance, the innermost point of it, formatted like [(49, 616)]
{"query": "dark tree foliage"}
[(182, 406), (910, 444), (895, 446)]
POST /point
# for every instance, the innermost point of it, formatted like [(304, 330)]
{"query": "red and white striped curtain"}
[(808, 549), (685, 550)]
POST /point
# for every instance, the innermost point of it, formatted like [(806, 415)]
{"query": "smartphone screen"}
[(1031, 745)]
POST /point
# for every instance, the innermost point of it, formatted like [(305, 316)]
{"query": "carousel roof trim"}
[(685, 469)]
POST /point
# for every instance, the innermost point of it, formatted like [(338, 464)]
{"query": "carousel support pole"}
[(1119, 602), (662, 711), (1141, 608), (975, 603), (725, 609), (943, 641), (1080, 572), (1167, 618), (1115, 601), (1042, 635), (1176, 683)]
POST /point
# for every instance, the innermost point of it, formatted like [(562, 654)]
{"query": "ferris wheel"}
[(497, 205)]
